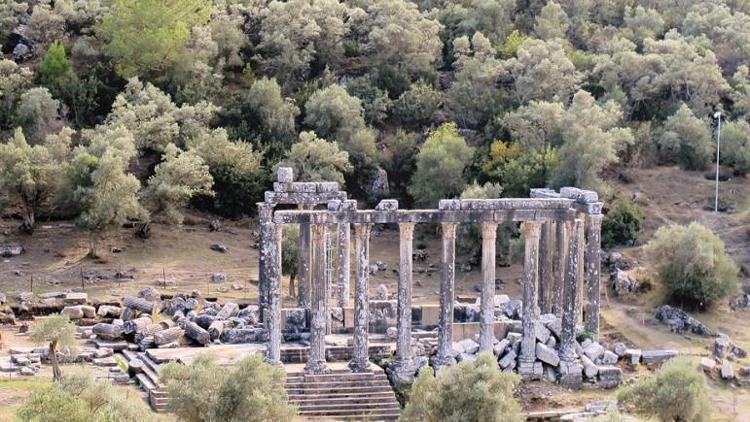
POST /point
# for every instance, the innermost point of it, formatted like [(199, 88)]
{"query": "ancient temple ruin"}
[(561, 269)]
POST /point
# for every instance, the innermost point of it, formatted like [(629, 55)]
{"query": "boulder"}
[(217, 278), (7, 251), (73, 312), (218, 247), (149, 293), (620, 349), (547, 355), (109, 311)]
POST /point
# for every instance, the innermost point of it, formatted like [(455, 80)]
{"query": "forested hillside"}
[(115, 111)]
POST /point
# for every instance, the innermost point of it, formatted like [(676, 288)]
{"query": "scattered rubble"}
[(680, 322)]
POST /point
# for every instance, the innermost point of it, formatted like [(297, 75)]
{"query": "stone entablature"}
[(562, 238)]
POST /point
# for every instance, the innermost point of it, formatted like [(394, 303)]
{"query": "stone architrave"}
[(447, 293), (316, 363), (360, 357), (344, 267), (402, 368), (487, 311), (303, 263), (531, 233), (273, 317), (593, 268), (570, 367)]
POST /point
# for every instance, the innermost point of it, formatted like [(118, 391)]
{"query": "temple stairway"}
[(342, 394), (157, 395)]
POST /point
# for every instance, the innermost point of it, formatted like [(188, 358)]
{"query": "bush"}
[(206, 391), (469, 391), (735, 145), (691, 263), (80, 397), (417, 105), (676, 393), (518, 169), (621, 224), (687, 140)]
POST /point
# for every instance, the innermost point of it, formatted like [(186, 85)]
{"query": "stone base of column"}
[(571, 374), (276, 363), (316, 367), (401, 371), (530, 370), (440, 362), (359, 365)]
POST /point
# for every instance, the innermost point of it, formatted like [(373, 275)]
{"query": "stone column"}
[(265, 215), (560, 264), (303, 264), (570, 367), (487, 322), (581, 275), (360, 357), (546, 266), (447, 288), (531, 233), (402, 369), (316, 363), (344, 266), (273, 316), (593, 264)]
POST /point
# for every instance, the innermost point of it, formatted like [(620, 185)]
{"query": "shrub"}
[(676, 393), (735, 145), (621, 224), (206, 391), (691, 263), (687, 140), (417, 105), (469, 391), (375, 101), (518, 169)]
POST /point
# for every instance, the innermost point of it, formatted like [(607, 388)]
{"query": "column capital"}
[(489, 230), (406, 230), (449, 230), (531, 228)]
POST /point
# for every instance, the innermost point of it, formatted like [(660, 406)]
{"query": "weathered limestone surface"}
[(316, 363), (360, 360), (447, 293), (487, 316), (593, 267), (403, 366), (344, 267), (273, 321), (531, 234), (570, 368), (303, 263)]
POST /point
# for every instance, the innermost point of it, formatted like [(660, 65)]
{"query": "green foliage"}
[(375, 101), (417, 105), (552, 22), (30, 175), (80, 397), (55, 329), (676, 393), (206, 391), (55, 71), (542, 71), (399, 161), (470, 391), (37, 112), (290, 251), (735, 145), (144, 37), (469, 236), (314, 159), (440, 165), (622, 224), (512, 43), (536, 125), (691, 263), (687, 140), (391, 79), (518, 169), (14, 81)]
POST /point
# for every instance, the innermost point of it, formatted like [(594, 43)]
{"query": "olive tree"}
[(735, 140), (542, 70), (315, 159), (552, 22), (30, 175), (38, 113), (691, 263), (14, 81), (441, 162), (471, 391), (58, 333), (290, 254), (687, 140)]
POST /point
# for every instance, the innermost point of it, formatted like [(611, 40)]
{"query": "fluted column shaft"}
[(546, 266), (303, 264), (273, 317), (570, 368), (344, 267), (316, 363), (447, 293), (593, 268), (531, 233), (487, 316), (403, 365), (361, 360), (265, 215), (560, 267)]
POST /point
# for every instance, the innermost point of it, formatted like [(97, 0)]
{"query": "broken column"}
[(487, 316), (531, 233), (303, 263), (273, 315), (447, 288), (265, 215), (360, 355), (570, 367), (316, 363), (402, 369), (593, 264), (344, 267)]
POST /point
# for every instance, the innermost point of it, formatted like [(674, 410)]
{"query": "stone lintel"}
[(593, 208), (543, 193), (581, 196), (421, 216), (295, 198)]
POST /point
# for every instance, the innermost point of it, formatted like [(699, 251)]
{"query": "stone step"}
[(353, 414), (337, 390), (334, 384), (361, 408), (362, 400)]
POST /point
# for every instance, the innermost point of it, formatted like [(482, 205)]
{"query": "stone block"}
[(333, 205), (73, 312), (541, 332), (514, 337), (543, 193), (75, 298), (326, 187), (508, 360), (620, 349), (571, 374), (727, 370), (449, 204), (550, 374), (551, 342), (594, 351), (304, 187), (500, 300), (609, 358), (282, 186), (609, 376), (500, 347), (579, 195), (469, 346), (456, 349), (349, 205), (285, 175), (707, 364), (547, 355), (657, 357), (589, 368), (387, 205), (633, 356)]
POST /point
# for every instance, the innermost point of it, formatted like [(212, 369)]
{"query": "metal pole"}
[(718, 149)]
